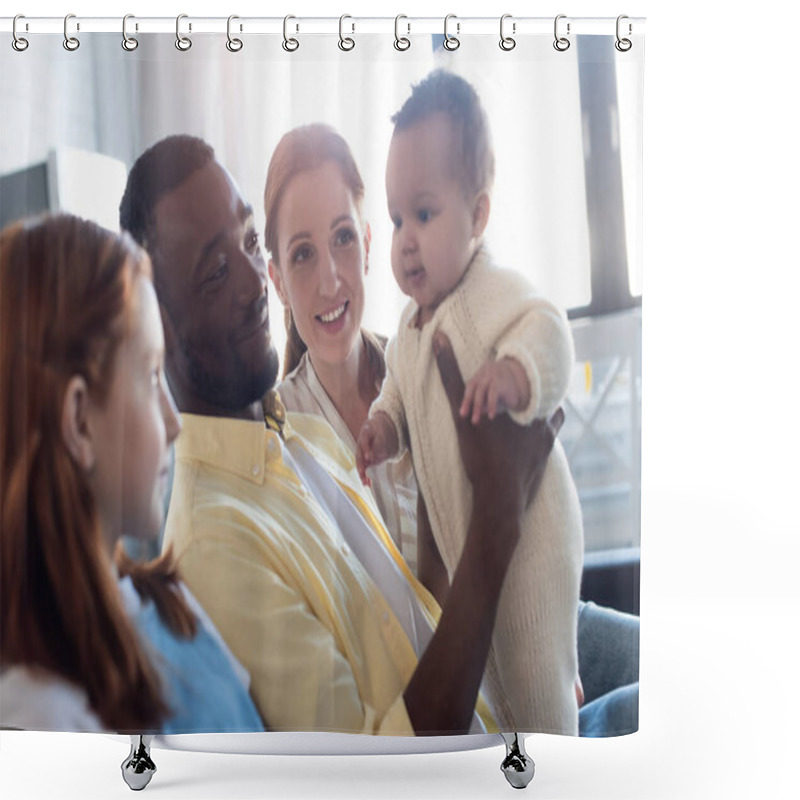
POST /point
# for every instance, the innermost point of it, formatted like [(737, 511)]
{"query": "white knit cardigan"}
[(494, 313)]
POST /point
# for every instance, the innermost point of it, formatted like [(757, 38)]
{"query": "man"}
[(271, 528)]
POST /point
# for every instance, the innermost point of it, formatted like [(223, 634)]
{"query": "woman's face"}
[(321, 261), (134, 429)]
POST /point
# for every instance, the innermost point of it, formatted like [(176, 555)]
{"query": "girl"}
[(88, 639)]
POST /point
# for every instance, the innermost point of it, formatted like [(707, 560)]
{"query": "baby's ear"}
[(480, 214)]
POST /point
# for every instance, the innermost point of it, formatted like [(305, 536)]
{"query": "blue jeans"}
[(608, 662)]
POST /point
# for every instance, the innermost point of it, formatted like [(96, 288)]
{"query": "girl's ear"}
[(480, 214), (367, 242), (277, 281), (75, 427)]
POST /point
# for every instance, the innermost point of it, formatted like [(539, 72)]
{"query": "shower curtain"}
[(564, 109)]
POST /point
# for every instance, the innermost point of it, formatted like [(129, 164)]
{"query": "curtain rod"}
[(326, 25)]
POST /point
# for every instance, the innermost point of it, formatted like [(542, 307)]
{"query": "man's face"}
[(212, 283)]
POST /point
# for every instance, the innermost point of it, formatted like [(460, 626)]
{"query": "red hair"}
[(66, 304)]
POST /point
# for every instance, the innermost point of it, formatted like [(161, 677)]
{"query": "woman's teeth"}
[(333, 315)]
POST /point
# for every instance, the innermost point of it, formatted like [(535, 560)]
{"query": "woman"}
[(88, 639), (319, 245)]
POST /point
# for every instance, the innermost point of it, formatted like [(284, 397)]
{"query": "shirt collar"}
[(242, 447)]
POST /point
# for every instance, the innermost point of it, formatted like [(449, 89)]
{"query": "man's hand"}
[(505, 462)]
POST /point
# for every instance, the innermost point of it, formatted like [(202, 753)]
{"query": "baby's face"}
[(435, 231)]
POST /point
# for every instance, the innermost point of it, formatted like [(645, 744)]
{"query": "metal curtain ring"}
[(129, 43), (183, 43), (506, 42), (561, 43), (401, 42), (18, 42), (623, 45), (346, 43), (233, 44), (70, 42), (451, 42), (289, 44)]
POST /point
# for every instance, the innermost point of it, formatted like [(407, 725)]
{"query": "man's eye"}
[(424, 215), (218, 274), (252, 242), (397, 222)]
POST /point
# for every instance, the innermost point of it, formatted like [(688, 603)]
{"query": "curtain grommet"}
[(234, 44), (71, 43), (129, 43), (346, 43), (507, 43), (451, 43), (289, 44), (561, 43), (183, 43), (19, 43), (623, 44), (401, 43)]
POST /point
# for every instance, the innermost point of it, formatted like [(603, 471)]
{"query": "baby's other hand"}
[(376, 442), (498, 386)]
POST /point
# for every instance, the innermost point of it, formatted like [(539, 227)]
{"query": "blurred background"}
[(566, 207)]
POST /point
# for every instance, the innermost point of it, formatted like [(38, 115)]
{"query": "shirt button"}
[(256, 470), (385, 616), (271, 445), (345, 550)]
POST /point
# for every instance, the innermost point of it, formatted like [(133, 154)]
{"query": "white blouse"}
[(38, 700), (393, 484)]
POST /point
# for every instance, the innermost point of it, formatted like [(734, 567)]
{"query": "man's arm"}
[(430, 566), (505, 464)]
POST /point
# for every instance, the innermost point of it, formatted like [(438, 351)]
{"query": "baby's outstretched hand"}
[(498, 386), (376, 442)]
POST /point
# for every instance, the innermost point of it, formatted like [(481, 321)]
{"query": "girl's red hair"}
[(66, 304)]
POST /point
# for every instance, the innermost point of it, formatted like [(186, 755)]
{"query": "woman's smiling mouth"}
[(336, 313)]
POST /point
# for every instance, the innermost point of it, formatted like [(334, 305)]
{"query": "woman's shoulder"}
[(39, 700)]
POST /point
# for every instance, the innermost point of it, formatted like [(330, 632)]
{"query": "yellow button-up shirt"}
[(266, 561)]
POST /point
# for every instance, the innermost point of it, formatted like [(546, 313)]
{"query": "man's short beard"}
[(240, 388)]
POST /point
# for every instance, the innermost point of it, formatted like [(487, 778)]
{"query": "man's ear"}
[(170, 337), (367, 243), (480, 214), (277, 280), (75, 428)]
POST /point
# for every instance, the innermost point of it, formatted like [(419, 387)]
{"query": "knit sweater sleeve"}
[(501, 309), (390, 399), (541, 342)]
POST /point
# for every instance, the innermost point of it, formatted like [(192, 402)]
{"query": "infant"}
[(515, 351)]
